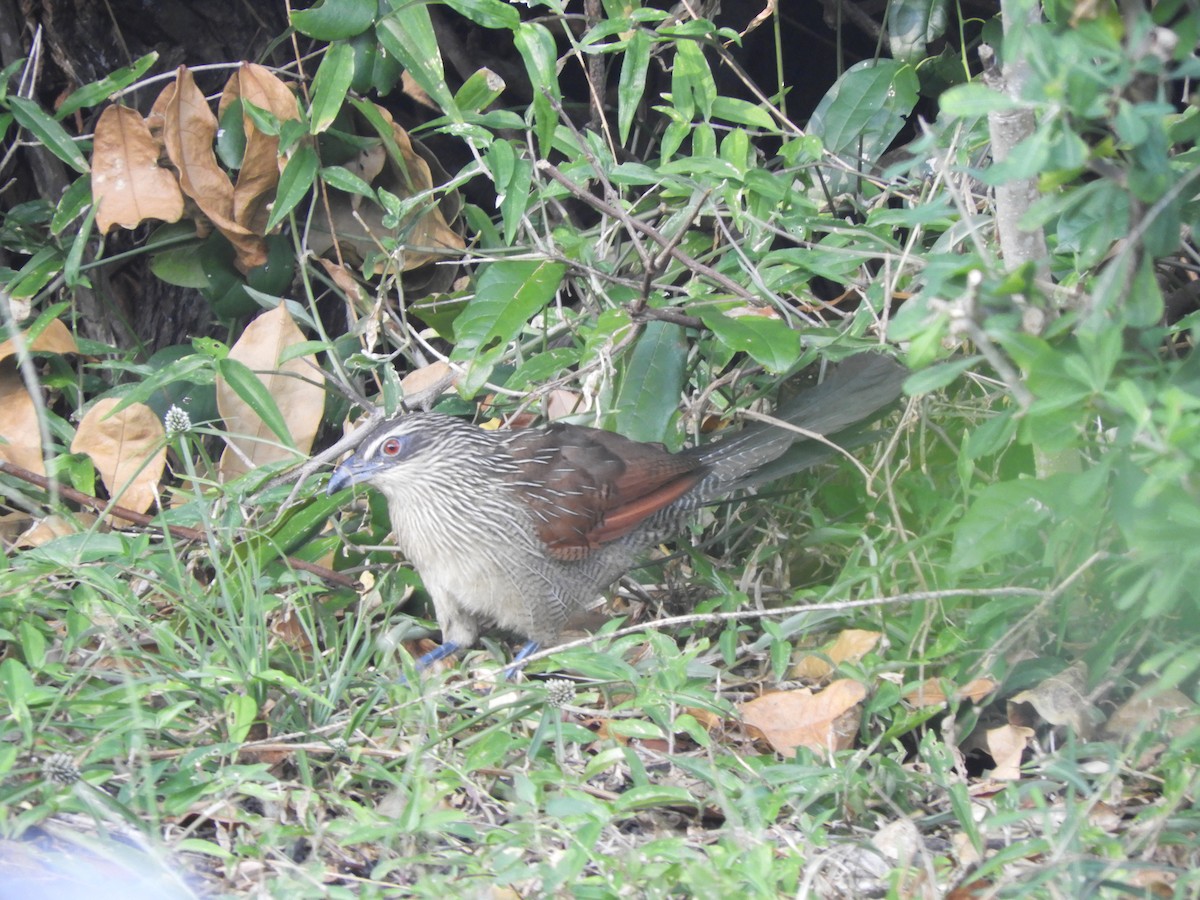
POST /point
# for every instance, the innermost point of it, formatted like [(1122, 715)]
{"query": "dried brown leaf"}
[(929, 692), (127, 183), (20, 437), (561, 403), (53, 526), (189, 128), (1171, 712), (259, 174), (433, 378), (850, 646), (1006, 744), (300, 400), (54, 338), (358, 226), (824, 721), (127, 448), (345, 281)]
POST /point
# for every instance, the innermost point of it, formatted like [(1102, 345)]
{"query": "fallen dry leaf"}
[(823, 721), (127, 448), (850, 646), (346, 282), (561, 403), (189, 128), (300, 400), (20, 437), (53, 526), (1170, 712), (259, 174), (358, 226), (54, 338), (929, 692), (128, 184), (1006, 745), (433, 379)]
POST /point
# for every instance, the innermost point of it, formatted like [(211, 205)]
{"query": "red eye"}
[(391, 447)]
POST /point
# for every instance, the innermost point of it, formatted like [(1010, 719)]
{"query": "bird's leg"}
[(530, 648), (437, 653)]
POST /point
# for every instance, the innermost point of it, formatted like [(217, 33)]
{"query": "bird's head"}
[(406, 448)]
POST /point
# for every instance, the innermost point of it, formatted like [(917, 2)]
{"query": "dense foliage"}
[(537, 211)]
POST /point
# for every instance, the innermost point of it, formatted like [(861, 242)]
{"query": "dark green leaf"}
[(652, 383), (74, 201), (488, 13), (330, 85), (537, 48), (768, 340), (632, 83), (335, 20), (408, 35), (345, 180), (254, 394), (912, 24), (294, 183), (52, 135), (99, 91)]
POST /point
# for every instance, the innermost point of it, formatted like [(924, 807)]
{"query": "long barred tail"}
[(853, 392)]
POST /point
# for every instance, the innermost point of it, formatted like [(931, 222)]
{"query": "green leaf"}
[(74, 259), (347, 181), (36, 273), (488, 13), (974, 99), (335, 20), (240, 713), (632, 83), (73, 202), (647, 796), (865, 110), (52, 135), (770, 342), (937, 377), (742, 112), (652, 382), (912, 24), (33, 644), (99, 91), (294, 183), (537, 48), (254, 394), (692, 85), (1005, 518), (408, 35), (514, 196), (479, 91), (508, 294), (297, 525), (330, 85)]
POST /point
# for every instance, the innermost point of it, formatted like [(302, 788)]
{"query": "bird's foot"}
[(518, 661), (448, 648)]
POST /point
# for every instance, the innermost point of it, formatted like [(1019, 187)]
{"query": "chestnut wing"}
[(586, 487)]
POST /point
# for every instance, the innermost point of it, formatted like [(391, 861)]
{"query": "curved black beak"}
[(354, 470)]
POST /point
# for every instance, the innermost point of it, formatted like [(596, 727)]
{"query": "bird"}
[(519, 529)]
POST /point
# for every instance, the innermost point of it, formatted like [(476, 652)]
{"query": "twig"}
[(651, 232), (751, 614)]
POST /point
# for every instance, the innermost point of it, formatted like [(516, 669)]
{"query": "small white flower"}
[(559, 692), (177, 421), (60, 769)]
